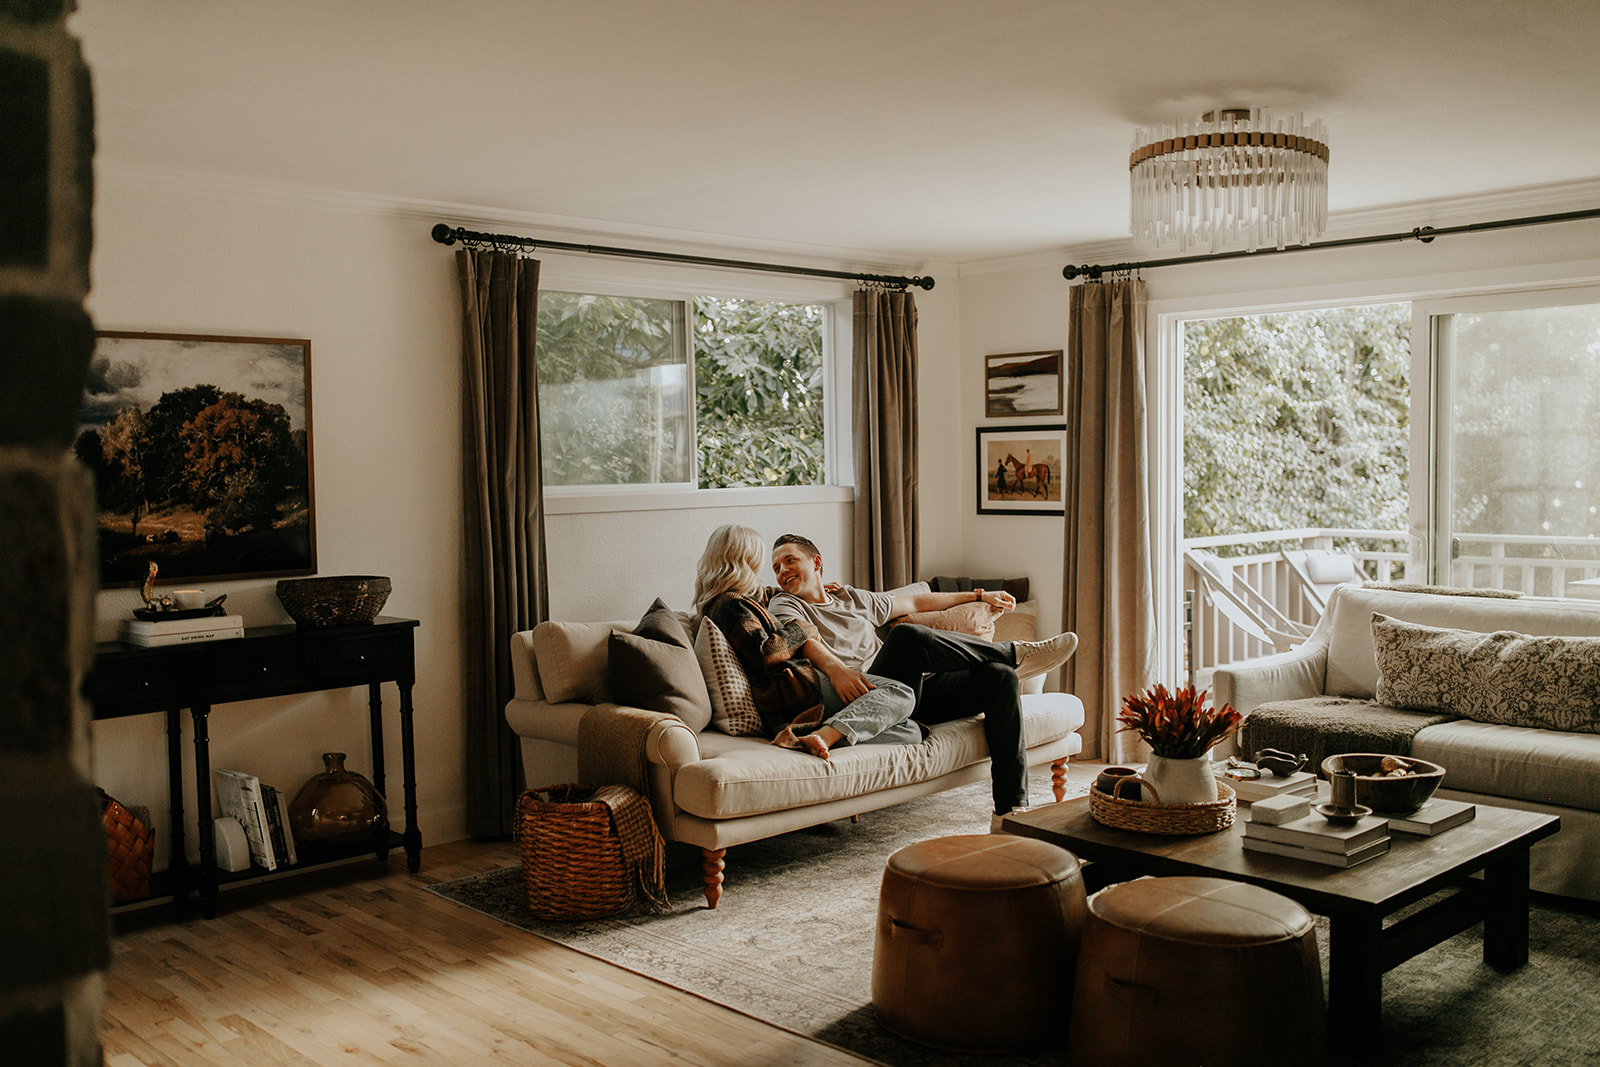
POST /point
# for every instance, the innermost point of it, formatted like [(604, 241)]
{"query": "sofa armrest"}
[(524, 671), (1301, 672)]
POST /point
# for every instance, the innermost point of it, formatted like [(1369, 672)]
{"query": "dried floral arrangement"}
[(1177, 725)]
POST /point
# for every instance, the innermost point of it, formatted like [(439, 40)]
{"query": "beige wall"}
[(377, 297)]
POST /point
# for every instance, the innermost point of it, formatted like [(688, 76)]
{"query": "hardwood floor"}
[(361, 965)]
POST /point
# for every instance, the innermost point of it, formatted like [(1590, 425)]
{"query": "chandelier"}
[(1234, 178)]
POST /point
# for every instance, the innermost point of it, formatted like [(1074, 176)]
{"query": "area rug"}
[(791, 944)]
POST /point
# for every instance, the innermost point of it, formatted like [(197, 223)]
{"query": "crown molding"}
[(1546, 199), (478, 217)]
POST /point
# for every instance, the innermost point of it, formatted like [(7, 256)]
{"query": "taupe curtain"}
[(504, 586), (1109, 586), (885, 420)]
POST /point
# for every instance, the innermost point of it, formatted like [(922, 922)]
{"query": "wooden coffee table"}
[(1357, 900)]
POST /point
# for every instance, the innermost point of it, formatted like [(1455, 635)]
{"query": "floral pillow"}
[(1513, 679), (733, 707)]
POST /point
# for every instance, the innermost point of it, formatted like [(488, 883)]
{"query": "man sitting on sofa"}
[(953, 674)]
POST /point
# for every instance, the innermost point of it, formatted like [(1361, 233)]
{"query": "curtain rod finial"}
[(925, 284), (444, 234)]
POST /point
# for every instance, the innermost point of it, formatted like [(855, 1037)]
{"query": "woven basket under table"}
[(572, 863), (1205, 818)]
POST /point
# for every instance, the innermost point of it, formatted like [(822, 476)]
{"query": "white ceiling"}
[(897, 130)]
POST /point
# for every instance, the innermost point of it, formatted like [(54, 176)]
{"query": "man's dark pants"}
[(956, 675)]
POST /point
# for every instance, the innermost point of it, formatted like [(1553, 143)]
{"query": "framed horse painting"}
[(1019, 470)]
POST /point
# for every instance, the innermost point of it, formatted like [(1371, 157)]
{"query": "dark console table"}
[(267, 661)]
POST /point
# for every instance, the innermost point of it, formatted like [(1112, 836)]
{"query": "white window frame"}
[(676, 284)]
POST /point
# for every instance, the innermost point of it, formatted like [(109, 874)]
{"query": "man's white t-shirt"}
[(847, 621)]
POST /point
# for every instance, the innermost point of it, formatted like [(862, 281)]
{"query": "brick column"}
[(54, 945)]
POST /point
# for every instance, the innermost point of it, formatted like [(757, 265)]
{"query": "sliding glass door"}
[(1513, 500)]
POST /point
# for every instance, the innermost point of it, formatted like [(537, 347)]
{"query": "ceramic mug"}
[(188, 599)]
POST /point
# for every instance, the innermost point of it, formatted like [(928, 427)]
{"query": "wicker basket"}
[(1164, 818), (572, 863), (130, 845), (334, 600)]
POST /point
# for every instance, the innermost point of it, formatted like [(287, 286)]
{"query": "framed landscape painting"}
[(1019, 470), (1023, 383), (201, 452)]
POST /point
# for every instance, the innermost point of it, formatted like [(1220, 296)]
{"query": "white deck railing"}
[(1534, 566)]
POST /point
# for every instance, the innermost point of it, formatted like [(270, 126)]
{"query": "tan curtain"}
[(885, 420), (1108, 594), (504, 586)]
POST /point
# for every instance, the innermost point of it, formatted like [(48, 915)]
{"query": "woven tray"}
[(1164, 818), (572, 863)]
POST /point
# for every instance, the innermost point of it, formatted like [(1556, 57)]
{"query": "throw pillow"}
[(1512, 679), (733, 706), (655, 668), (975, 618), (572, 661)]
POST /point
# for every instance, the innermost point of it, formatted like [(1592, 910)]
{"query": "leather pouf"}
[(977, 941), (1196, 970)]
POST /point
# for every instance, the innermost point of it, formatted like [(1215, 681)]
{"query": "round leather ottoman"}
[(1196, 970), (977, 941)]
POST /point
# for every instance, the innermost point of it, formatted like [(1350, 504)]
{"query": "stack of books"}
[(1250, 790), (264, 814), (1286, 826), (181, 631)]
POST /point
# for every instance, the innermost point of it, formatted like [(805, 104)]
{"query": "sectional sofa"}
[(1503, 693)]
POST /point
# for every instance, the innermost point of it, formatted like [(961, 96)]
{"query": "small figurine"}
[(1278, 762), (151, 601)]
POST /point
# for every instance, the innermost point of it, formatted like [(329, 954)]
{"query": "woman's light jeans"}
[(880, 716)]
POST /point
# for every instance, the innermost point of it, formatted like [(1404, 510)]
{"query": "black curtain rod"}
[(1424, 234), (447, 235)]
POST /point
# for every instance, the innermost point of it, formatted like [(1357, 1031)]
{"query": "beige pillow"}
[(975, 618), (572, 661), (733, 706), (654, 668), (1513, 679)]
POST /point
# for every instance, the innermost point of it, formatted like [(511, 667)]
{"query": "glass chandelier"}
[(1236, 178)]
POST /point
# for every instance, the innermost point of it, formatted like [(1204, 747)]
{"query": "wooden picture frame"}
[(201, 450), (1032, 458), (1026, 384)]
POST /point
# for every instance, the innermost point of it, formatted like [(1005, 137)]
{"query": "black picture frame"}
[(200, 446), (1023, 385), (1035, 491)]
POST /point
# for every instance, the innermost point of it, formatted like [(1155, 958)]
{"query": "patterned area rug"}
[(791, 944)]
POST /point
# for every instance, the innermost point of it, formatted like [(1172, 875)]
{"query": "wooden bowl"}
[(1385, 795), (335, 600)]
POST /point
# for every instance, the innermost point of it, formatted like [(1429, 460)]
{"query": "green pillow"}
[(655, 668)]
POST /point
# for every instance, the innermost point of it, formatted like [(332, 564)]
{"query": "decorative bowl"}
[(1383, 794), (335, 600)]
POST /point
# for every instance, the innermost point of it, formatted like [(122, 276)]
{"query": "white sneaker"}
[(995, 820), (1037, 657)]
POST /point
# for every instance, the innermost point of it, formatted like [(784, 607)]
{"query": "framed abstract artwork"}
[(1019, 470), (201, 452), (1023, 383)]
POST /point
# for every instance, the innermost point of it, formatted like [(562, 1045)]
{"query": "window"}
[(621, 403), (1516, 452)]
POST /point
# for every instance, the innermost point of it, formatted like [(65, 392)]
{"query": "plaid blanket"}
[(783, 683)]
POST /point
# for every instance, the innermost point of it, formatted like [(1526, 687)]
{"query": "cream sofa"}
[(1536, 769), (714, 791)]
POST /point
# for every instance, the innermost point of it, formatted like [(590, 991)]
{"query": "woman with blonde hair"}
[(789, 668)]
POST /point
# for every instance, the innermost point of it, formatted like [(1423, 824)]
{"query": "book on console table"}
[(239, 795), (181, 631), (1330, 859), (1300, 783), (1316, 832), (1434, 817)]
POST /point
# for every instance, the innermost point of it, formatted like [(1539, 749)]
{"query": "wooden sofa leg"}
[(1058, 779), (713, 869)]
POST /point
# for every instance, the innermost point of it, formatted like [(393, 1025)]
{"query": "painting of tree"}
[(200, 448)]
